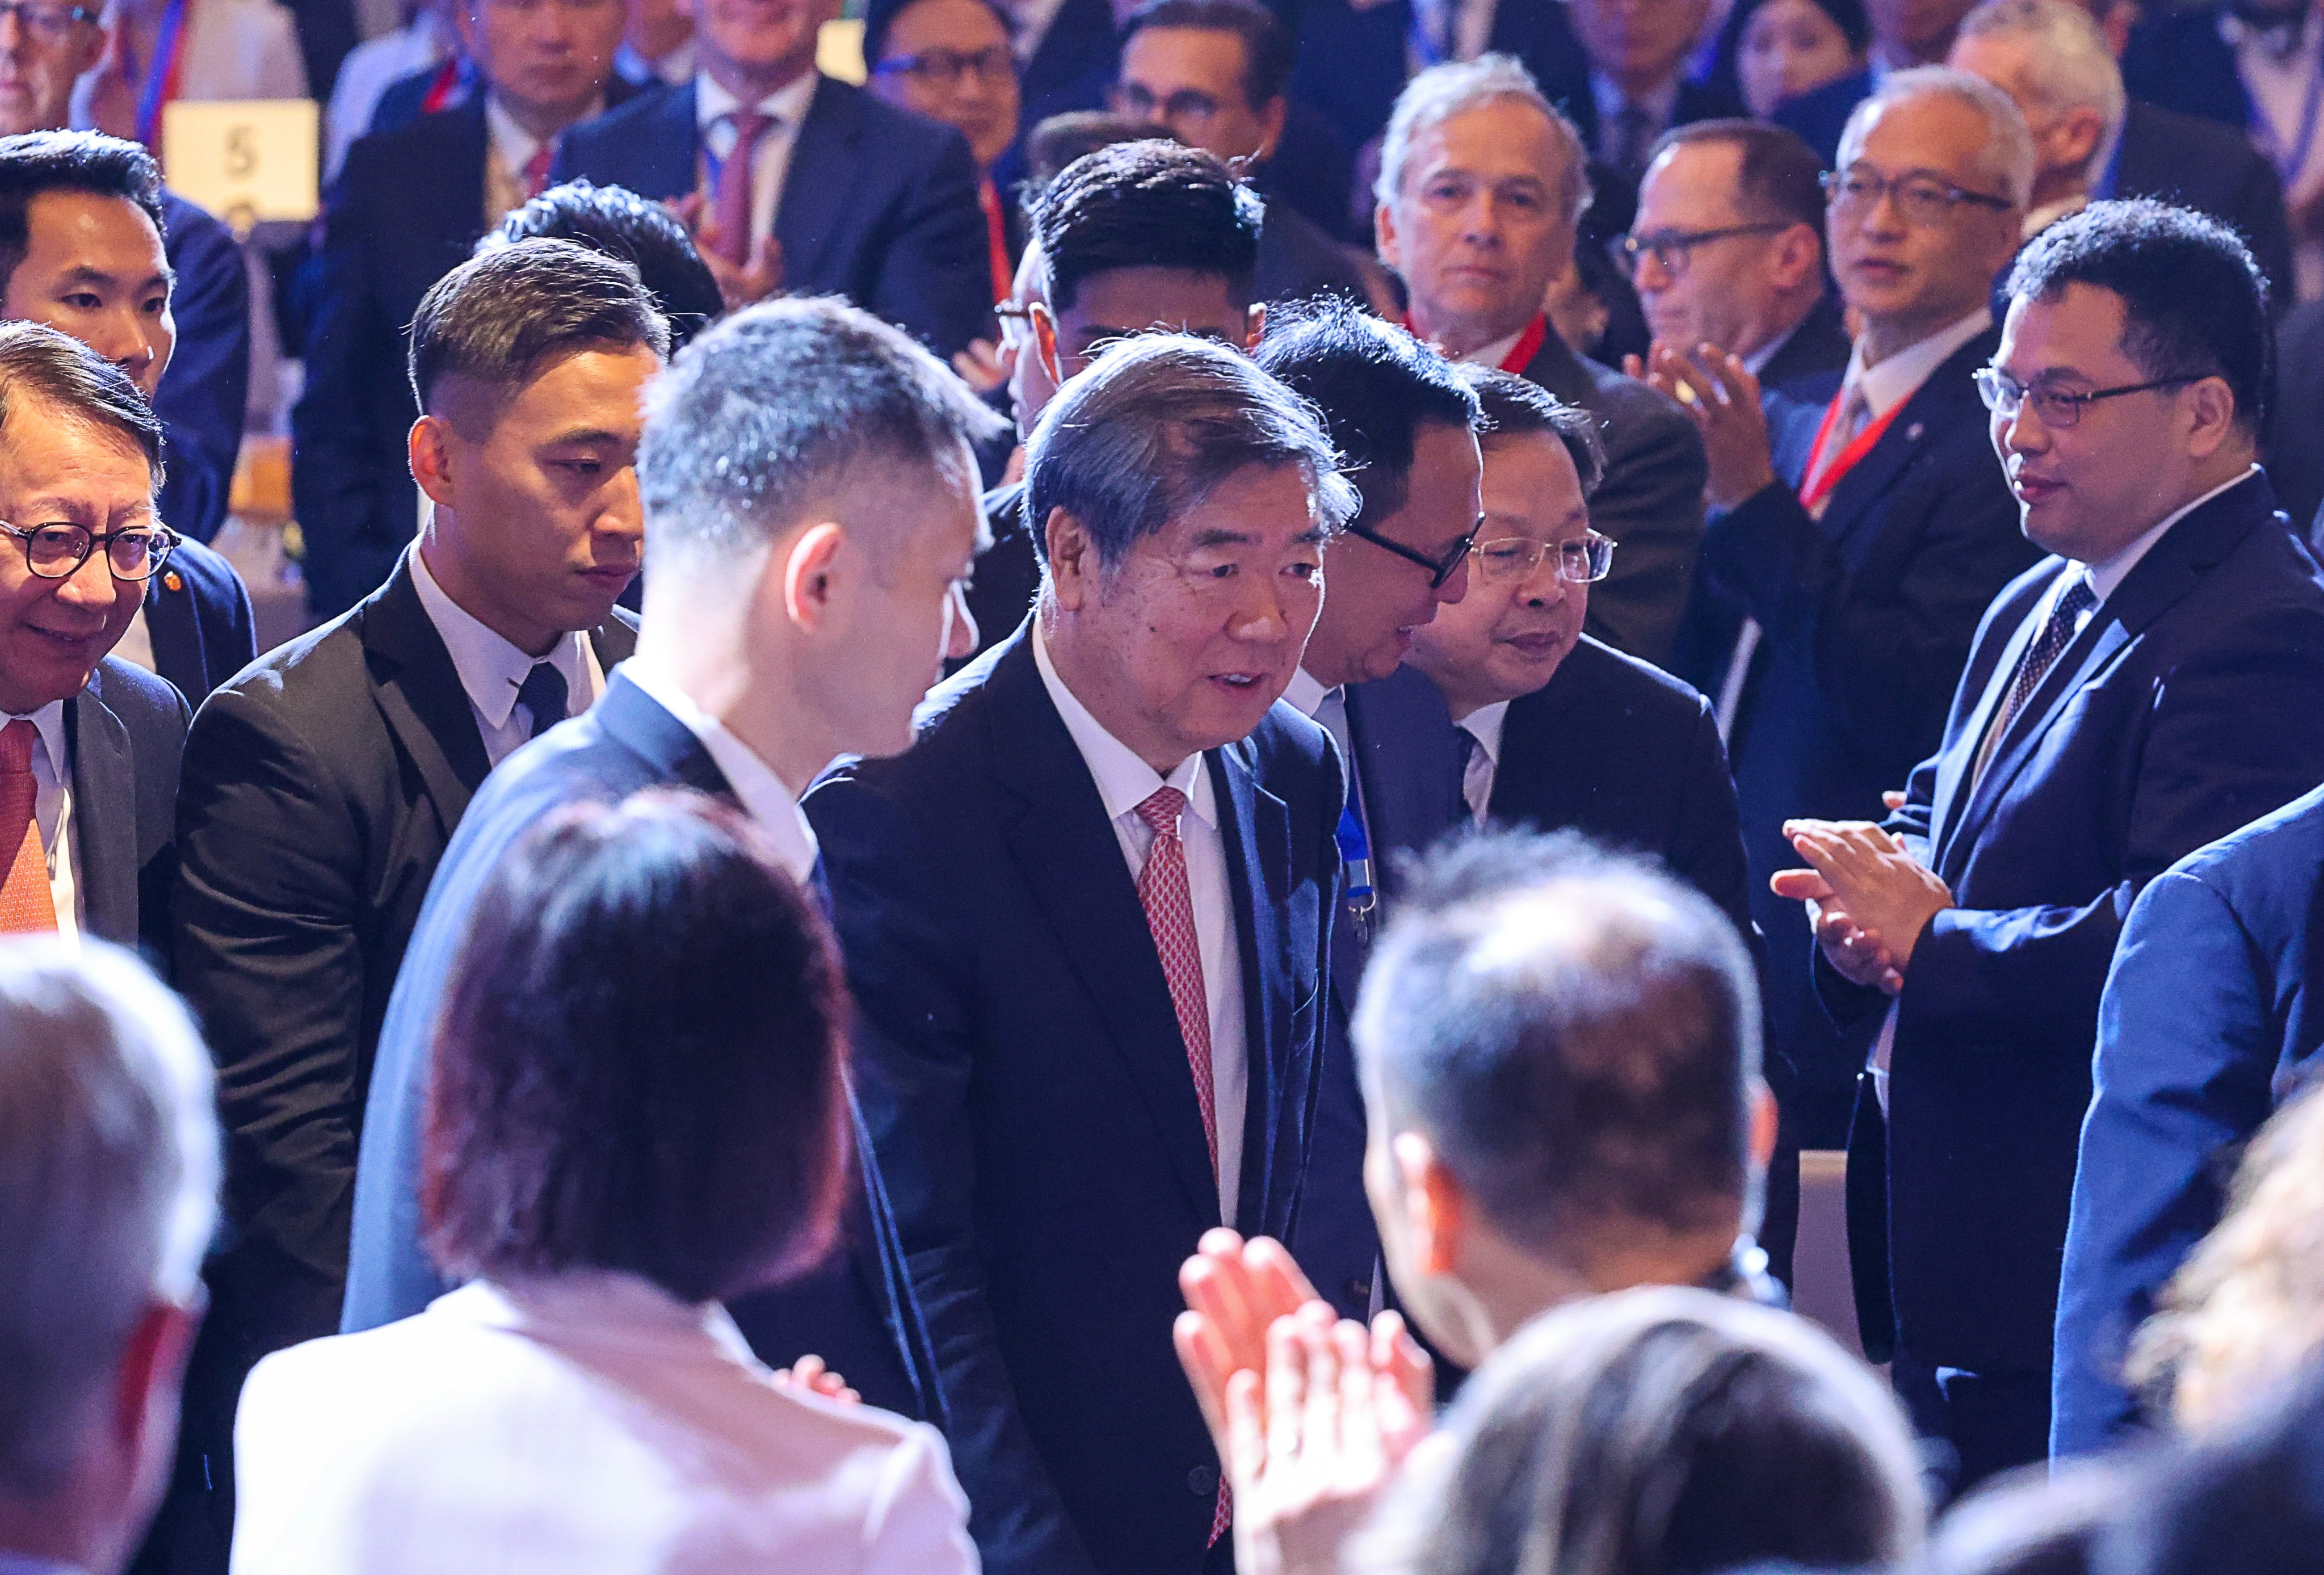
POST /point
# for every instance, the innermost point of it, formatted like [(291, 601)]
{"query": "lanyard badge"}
[(1356, 865)]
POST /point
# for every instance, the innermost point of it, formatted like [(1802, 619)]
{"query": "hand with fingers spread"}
[(1872, 898), (1721, 396), (1311, 1450), (809, 1374), (738, 285)]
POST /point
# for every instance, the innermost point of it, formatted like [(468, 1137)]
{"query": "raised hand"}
[(755, 279), (1718, 392), (809, 1374)]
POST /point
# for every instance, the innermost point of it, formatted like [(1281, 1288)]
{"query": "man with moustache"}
[(1847, 564), (2148, 689), (1086, 920), (1482, 186), (1559, 730)]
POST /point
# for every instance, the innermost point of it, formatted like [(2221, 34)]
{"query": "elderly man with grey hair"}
[(1482, 189), (810, 499), (1087, 919), (108, 1191), (1859, 530)]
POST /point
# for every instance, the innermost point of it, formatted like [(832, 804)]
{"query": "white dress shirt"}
[(786, 106), (764, 797), (510, 148), (491, 671), (52, 809), (584, 1423), (1124, 782), (1484, 725)]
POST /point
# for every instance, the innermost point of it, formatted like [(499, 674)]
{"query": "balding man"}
[(1481, 185)]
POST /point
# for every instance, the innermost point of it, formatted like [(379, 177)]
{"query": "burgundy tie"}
[(730, 208), (1169, 902), (535, 174)]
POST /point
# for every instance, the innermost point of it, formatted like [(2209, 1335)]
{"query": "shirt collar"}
[(763, 796), (48, 720), (514, 144), (1124, 782), (1900, 376), (1660, 103), (1304, 695), (2108, 573), (491, 671), (1484, 725), (2050, 213), (786, 105)]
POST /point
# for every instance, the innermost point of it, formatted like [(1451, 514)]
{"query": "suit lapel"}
[(820, 182), (104, 817), (1256, 827), (171, 625), (1069, 857), (1933, 408), (635, 720), (418, 690), (1953, 768), (673, 152)]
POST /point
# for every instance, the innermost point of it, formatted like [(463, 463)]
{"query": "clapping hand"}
[(755, 281), (1869, 899), (1718, 392)]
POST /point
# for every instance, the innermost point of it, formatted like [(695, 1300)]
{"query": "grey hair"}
[(778, 408), (1575, 1032), (2009, 155), (1655, 1429), (1442, 92), (2070, 65), (108, 1184), (1154, 425)]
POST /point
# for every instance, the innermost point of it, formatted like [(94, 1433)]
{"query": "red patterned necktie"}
[(731, 203), (1169, 902), (535, 174), (27, 904)]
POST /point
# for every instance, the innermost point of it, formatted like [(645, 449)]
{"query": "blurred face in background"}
[(950, 61), (1738, 291), (548, 60), (1639, 44), (758, 45), (1791, 47), (45, 46), (1195, 83)]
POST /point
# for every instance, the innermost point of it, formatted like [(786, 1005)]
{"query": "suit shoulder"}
[(207, 573), (1637, 686), (325, 663), (144, 703), (627, 118), (1288, 750), (890, 125)]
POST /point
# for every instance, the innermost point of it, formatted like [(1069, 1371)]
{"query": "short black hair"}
[(1149, 204), (618, 222), (1781, 177), (2194, 302), (41, 365), (496, 316), (1854, 22), (604, 1097), (1375, 384), (1518, 406), (1267, 44), (38, 163), (879, 16)]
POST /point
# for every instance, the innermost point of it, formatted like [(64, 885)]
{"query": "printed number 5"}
[(240, 158)]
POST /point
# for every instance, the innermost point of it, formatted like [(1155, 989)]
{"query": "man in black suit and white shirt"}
[(1086, 920)]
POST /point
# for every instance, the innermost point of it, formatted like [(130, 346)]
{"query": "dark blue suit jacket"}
[(856, 1311), (206, 384), (879, 204), (2190, 705), (2177, 59), (2207, 1025), (1024, 1080), (198, 616), (1407, 776), (1867, 616)]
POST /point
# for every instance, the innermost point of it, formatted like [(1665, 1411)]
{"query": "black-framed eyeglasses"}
[(1924, 198), (55, 551), (47, 22), (1584, 562), (2059, 408), (1438, 573), (1672, 248), (943, 68), (1188, 104)]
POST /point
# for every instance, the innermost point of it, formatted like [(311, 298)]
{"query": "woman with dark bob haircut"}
[(637, 1111)]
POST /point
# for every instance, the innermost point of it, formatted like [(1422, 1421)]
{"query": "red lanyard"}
[(1521, 354), (1818, 483)]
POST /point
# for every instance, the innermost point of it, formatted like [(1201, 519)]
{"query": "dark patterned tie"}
[(542, 695), (2049, 644)]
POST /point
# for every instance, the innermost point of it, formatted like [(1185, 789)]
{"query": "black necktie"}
[(543, 694)]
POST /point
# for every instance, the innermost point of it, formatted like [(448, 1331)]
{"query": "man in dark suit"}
[(1407, 424), (1086, 920), (1212, 73), (2153, 685), (81, 249), (409, 205), (1631, 88), (812, 509), (91, 743), (1478, 264), (1726, 249), (1133, 237), (2207, 1024), (1843, 580), (322, 785), (834, 192)]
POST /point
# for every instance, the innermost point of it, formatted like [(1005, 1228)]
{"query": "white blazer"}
[(580, 1424)]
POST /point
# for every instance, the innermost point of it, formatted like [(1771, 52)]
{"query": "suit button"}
[(1203, 1481)]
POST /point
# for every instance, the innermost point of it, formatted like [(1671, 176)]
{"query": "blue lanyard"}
[(157, 86), (1356, 863)]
